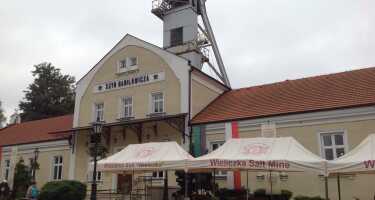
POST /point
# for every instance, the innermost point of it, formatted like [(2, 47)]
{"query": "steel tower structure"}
[(187, 36)]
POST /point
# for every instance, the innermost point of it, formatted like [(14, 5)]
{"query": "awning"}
[(261, 154), (147, 157), (360, 160)]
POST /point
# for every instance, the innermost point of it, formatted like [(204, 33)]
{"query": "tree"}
[(51, 94), (2, 116), (22, 179)]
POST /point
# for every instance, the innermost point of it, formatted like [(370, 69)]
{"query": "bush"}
[(287, 194), (63, 190), (201, 197), (260, 193), (226, 194)]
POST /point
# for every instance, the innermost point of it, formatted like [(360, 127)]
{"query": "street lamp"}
[(95, 138), (35, 163)]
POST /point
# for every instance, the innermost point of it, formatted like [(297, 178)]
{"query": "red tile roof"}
[(36, 131), (334, 91)]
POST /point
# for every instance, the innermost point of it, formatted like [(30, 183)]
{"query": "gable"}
[(152, 60)]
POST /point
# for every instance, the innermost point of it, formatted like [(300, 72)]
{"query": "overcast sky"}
[(261, 41)]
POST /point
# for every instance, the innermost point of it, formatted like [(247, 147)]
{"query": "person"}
[(4, 190), (32, 192)]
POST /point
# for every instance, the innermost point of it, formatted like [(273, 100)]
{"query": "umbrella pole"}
[(186, 184), (247, 184), (131, 185), (271, 184), (214, 186), (339, 185), (326, 186), (165, 195)]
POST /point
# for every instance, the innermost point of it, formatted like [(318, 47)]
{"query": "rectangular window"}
[(333, 145), (99, 112), (128, 63), (213, 147), (122, 64), (99, 176), (132, 61), (57, 167), (158, 175), (127, 107), (157, 102), (7, 169), (177, 36)]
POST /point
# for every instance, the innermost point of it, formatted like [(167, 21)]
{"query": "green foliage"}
[(63, 190), (286, 193), (51, 94), (201, 181), (202, 197), (260, 193), (22, 179), (2, 116), (229, 194)]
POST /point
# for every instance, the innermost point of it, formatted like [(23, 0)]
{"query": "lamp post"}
[(35, 162), (95, 138)]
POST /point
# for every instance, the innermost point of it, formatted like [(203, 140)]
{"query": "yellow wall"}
[(201, 96), (45, 160), (148, 62), (311, 184)]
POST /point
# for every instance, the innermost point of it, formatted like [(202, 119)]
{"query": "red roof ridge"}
[(35, 131), (38, 120), (348, 89), (304, 78)]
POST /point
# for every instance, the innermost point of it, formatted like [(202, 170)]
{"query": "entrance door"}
[(124, 183)]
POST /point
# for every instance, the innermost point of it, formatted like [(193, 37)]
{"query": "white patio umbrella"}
[(261, 154), (148, 157), (282, 154), (360, 160)]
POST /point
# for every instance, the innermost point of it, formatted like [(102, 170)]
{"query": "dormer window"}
[(122, 64), (132, 61), (127, 64)]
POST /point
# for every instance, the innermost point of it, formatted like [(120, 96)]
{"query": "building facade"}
[(329, 115), (143, 94), (39, 140)]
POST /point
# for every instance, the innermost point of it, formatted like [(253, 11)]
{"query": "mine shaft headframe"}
[(211, 37), (161, 8)]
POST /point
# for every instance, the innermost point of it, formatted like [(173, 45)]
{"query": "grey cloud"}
[(261, 41)]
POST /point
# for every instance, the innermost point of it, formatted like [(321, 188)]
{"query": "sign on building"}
[(129, 82)]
